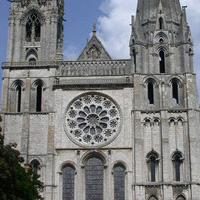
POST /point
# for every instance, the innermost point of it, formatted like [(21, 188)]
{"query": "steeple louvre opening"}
[(161, 23), (33, 28), (19, 96), (162, 61), (39, 98), (150, 93), (175, 92)]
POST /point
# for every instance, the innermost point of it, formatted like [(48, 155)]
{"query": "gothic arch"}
[(16, 83), (38, 82), (152, 198), (68, 162), (121, 163), (15, 96), (29, 11), (177, 152), (151, 90), (31, 54), (152, 78), (177, 161), (161, 35), (36, 158), (91, 154), (35, 164), (173, 77), (37, 96), (180, 197), (152, 160), (152, 153)]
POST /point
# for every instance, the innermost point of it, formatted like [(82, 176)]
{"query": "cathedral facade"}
[(98, 128)]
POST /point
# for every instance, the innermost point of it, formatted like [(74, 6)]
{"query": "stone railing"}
[(79, 68), (94, 68), (29, 64)]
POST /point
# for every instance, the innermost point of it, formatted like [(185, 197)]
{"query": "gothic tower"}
[(166, 110), (98, 128), (35, 30)]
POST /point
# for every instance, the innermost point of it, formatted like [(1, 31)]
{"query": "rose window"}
[(92, 120)]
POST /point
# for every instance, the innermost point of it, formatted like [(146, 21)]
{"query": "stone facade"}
[(135, 121)]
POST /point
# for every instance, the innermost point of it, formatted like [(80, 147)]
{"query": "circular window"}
[(92, 120)]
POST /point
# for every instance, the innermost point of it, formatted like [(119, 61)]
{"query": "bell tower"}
[(161, 37), (161, 49), (35, 30)]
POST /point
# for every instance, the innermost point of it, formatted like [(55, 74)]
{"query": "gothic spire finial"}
[(94, 29)]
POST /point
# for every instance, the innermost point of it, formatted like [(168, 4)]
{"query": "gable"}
[(94, 50)]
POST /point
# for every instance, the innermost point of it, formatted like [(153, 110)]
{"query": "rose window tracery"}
[(92, 120)]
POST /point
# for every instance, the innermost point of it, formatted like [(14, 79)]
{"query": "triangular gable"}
[(94, 50)]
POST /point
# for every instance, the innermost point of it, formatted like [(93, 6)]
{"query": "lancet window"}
[(33, 28), (68, 177), (119, 182)]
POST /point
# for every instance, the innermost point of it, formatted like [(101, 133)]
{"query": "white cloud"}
[(114, 26)]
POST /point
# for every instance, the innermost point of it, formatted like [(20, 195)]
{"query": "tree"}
[(16, 183)]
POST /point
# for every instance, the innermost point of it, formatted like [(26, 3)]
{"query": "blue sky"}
[(112, 18)]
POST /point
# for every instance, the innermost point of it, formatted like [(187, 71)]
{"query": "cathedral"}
[(100, 128)]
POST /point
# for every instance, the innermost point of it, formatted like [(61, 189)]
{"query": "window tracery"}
[(33, 28), (92, 120)]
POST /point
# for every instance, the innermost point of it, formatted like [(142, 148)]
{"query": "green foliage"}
[(15, 182)]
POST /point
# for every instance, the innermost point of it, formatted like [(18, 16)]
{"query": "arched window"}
[(68, 173), (177, 160), (94, 179), (162, 61), (152, 159), (175, 92), (119, 182), (15, 93), (153, 168), (150, 91), (39, 98), (134, 57), (181, 198), (161, 23), (177, 163), (33, 27), (18, 98), (35, 165), (153, 198)]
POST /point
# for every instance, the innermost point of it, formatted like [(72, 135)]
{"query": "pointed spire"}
[(160, 8), (148, 11)]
